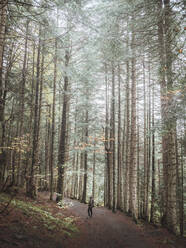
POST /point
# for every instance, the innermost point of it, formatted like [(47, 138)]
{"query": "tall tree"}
[(133, 205), (31, 187), (63, 136), (112, 138), (168, 118)]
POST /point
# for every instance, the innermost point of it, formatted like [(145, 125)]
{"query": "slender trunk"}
[(76, 183), (81, 175), (138, 158), (107, 148), (123, 162), (47, 147), (119, 186), (148, 149), (40, 106), (127, 142), (182, 193), (31, 188), (153, 192), (3, 16), (85, 160), (133, 204), (22, 106), (62, 143), (94, 172), (53, 123), (112, 139), (145, 147)]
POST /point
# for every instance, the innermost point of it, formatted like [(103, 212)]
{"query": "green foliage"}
[(49, 221)]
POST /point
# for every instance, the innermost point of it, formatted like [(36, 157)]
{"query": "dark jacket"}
[(91, 203)]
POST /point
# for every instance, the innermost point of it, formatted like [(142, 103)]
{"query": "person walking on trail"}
[(90, 206)]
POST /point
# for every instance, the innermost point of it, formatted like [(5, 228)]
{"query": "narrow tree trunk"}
[(94, 172), (119, 181), (127, 142), (81, 175), (40, 107), (31, 188), (148, 149), (47, 147), (133, 204), (182, 194), (107, 147), (112, 138), (22, 106), (76, 183), (3, 16), (62, 144), (53, 123), (138, 158), (145, 147), (153, 192), (85, 160)]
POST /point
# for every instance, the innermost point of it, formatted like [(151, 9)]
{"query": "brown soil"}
[(104, 230)]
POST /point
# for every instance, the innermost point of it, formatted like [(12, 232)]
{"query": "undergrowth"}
[(50, 222)]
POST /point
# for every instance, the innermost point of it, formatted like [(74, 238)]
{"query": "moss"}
[(50, 222)]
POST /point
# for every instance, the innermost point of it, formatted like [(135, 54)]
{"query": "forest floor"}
[(43, 224)]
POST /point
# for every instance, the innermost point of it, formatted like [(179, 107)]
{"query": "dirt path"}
[(108, 230), (104, 230)]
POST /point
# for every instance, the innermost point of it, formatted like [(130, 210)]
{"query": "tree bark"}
[(31, 187), (168, 117), (119, 180), (62, 144), (94, 172), (133, 204), (53, 123), (112, 139), (127, 142), (84, 197)]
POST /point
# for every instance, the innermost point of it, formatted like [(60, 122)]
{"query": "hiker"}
[(90, 206)]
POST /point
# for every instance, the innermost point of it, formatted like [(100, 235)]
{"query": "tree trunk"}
[(112, 139), (31, 187), (94, 172), (145, 147), (153, 189), (47, 147), (148, 150), (3, 16), (133, 204), (53, 123), (76, 183), (119, 181), (127, 147), (168, 118), (81, 175), (107, 147), (62, 144), (85, 160), (22, 107)]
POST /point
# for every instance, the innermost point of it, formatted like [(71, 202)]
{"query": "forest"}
[(93, 103)]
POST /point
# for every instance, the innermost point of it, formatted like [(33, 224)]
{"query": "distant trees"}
[(143, 130)]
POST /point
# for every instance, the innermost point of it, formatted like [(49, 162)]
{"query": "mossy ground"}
[(33, 223)]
